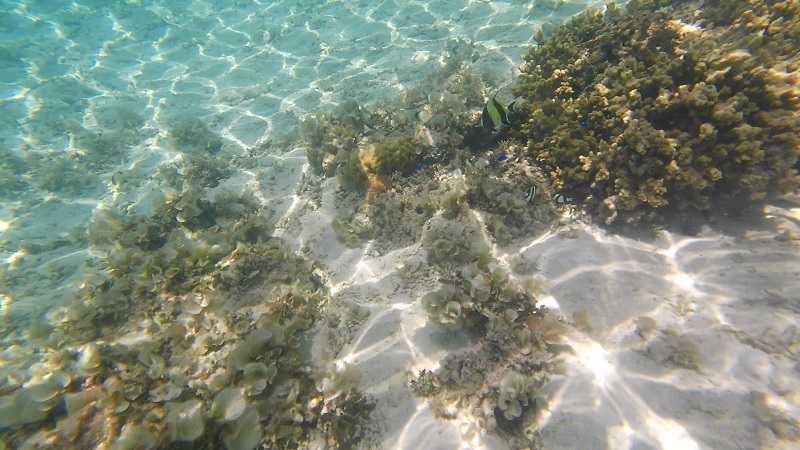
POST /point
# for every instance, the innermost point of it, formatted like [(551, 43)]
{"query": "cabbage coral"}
[(443, 308), (514, 393)]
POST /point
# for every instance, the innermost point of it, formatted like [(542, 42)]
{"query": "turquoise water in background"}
[(90, 88), (250, 67), (108, 107)]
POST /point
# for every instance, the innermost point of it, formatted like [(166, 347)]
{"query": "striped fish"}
[(531, 193), (561, 199), (495, 114)]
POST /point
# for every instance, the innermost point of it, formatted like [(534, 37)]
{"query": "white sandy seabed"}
[(250, 69)]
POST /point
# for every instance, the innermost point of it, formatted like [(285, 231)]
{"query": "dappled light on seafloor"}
[(167, 230), (665, 335)]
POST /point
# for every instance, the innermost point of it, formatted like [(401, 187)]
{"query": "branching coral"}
[(641, 110)]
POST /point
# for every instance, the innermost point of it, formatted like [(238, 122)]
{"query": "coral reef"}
[(426, 384), (443, 308), (64, 175), (33, 402), (186, 330), (381, 161), (515, 391), (197, 170), (457, 205), (518, 351), (454, 240), (395, 154), (484, 201), (65, 172), (369, 168), (666, 109), (368, 145), (351, 227), (329, 149)]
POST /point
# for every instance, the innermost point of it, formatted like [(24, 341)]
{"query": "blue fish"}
[(420, 167), (502, 157), (584, 124)]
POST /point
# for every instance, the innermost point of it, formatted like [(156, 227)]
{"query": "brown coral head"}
[(369, 160), (376, 184)]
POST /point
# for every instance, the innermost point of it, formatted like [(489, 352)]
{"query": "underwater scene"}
[(399, 224)]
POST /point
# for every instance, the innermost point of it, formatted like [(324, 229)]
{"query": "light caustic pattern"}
[(252, 69), (81, 70), (718, 345), (90, 89)]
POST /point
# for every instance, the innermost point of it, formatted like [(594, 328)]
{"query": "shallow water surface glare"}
[(280, 224)]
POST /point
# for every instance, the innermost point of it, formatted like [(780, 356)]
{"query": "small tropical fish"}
[(496, 114), (584, 124), (502, 157), (561, 199), (420, 167), (530, 194)]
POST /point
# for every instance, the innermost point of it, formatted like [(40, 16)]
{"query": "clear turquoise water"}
[(89, 88), (91, 93)]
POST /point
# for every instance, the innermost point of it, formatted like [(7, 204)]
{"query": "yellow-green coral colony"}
[(643, 110)]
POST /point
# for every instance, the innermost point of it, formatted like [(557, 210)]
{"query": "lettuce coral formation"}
[(514, 393), (443, 308), (657, 107), (499, 310), (186, 329)]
